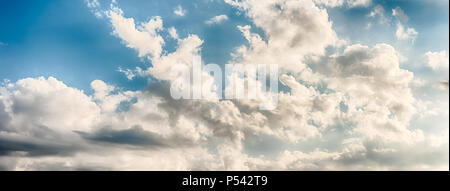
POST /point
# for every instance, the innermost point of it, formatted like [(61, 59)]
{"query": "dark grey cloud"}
[(61, 166), (31, 146), (444, 83), (135, 136), (4, 117)]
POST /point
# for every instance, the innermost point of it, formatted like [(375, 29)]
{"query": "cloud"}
[(329, 3), (403, 33), (398, 12), (340, 3), (128, 73), (437, 60), (444, 84), (173, 33), (217, 19), (360, 156), (299, 30), (179, 11), (92, 3), (143, 38), (376, 73), (41, 101), (115, 144), (359, 3), (147, 41), (3, 44), (379, 13), (32, 147), (39, 115), (348, 109), (132, 136), (95, 7), (44, 117)]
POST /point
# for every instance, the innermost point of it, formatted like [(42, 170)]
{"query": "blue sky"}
[(64, 39)]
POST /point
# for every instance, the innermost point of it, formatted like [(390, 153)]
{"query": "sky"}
[(363, 85)]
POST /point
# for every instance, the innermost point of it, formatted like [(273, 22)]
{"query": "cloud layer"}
[(349, 109)]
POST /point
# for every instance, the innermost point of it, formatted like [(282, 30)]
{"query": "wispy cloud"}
[(179, 11), (217, 19), (400, 14), (407, 33)]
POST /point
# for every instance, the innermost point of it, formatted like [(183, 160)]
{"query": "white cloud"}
[(437, 60), (377, 11), (48, 103), (358, 100), (143, 38), (377, 91), (359, 3), (3, 44), (299, 30), (217, 19), (329, 3), (173, 33), (128, 73), (340, 3), (21, 103), (179, 11), (403, 33)]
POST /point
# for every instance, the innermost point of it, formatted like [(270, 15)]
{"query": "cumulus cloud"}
[(376, 73), (143, 38), (352, 107), (437, 60), (44, 117), (217, 19), (39, 115), (294, 30)]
